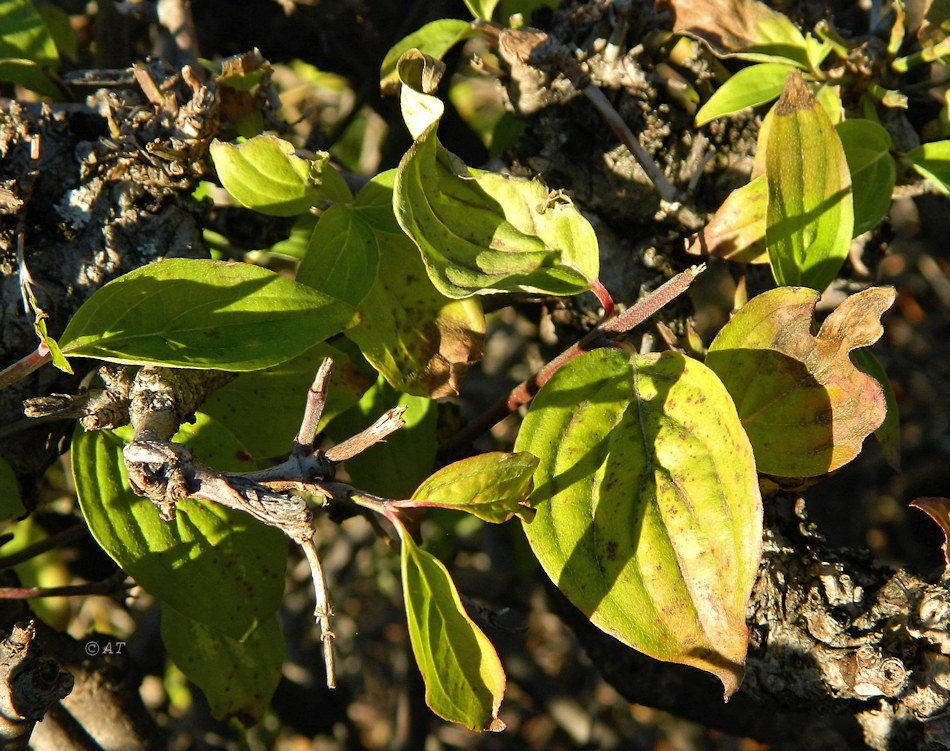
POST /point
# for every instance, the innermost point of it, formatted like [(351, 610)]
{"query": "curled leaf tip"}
[(937, 509)]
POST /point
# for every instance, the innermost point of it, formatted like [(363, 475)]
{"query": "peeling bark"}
[(840, 649)]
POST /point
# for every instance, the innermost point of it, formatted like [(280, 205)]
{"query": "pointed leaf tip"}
[(464, 679)]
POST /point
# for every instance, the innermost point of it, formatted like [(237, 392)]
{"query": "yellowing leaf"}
[(482, 232), (805, 406), (419, 339), (491, 486), (464, 679), (736, 231), (649, 516), (809, 217)]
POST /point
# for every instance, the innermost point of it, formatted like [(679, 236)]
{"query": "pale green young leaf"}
[(59, 360), (873, 170), (464, 679), (932, 160), (810, 217), (749, 87), (218, 566), (420, 340), (649, 516), (482, 9), (492, 486), (433, 39), (238, 678), (192, 313), (266, 175)]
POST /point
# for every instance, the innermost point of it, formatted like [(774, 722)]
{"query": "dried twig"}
[(600, 336), (30, 683), (166, 472)]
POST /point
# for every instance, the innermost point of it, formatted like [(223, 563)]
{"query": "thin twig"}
[(620, 128), (316, 401), (46, 544), (108, 587), (388, 423), (323, 609), (598, 337)]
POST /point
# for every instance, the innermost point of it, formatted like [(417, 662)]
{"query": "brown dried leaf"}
[(744, 28), (937, 509)]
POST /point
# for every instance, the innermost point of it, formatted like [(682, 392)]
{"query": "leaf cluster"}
[(637, 478)]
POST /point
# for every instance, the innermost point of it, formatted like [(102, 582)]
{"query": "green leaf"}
[(60, 29), (192, 313), (393, 468), (217, 566), (434, 39), (491, 486), (482, 9), (342, 256), (873, 171), (238, 678), (649, 516), (805, 406), (11, 506), (266, 175), (420, 340), (464, 679), (932, 160), (24, 35), (810, 217), (749, 87), (295, 246), (30, 76), (482, 232), (263, 409), (59, 360), (327, 180)]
